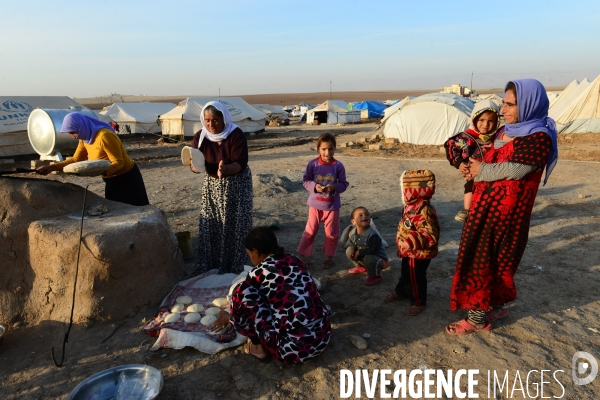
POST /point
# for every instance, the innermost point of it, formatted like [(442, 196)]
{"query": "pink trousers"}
[(331, 223)]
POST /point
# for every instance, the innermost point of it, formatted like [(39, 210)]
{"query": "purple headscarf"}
[(533, 103), (86, 126)]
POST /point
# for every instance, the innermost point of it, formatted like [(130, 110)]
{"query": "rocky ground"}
[(556, 314)]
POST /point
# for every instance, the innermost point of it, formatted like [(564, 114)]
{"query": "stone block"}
[(35, 164), (374, 147), (391, 140)]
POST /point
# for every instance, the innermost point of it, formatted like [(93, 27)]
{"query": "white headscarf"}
[(227, 129), (481, 107)]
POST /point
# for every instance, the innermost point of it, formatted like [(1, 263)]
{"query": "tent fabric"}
[(184, 120), (370, 108), (337, 112), (141, 117), (395, 107), (429, 119), (14, 114), (569, 87), (582, 126), (271, 111), (586, 106), (495, 97), (566, 99)]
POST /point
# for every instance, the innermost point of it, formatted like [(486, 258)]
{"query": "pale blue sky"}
[(84, 49)]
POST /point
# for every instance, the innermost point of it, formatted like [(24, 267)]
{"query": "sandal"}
[(394, 297), (463, 327), (248, 351), (327, 264), (496, 314), (413, 310)]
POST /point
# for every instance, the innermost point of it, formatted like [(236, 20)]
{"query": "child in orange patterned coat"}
[(417, 239)]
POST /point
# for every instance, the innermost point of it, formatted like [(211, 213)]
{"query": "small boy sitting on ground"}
[(366, 250)]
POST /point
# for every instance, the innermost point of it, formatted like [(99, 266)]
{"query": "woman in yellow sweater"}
[(97, 141)]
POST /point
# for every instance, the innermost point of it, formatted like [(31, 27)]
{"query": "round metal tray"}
[(104, 385)]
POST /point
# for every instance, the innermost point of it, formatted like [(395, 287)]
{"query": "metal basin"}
[(43, 129), (104, 385)]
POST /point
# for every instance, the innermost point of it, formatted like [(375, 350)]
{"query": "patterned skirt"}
[(225, 221)]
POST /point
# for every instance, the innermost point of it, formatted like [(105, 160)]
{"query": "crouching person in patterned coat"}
[(278, 306)]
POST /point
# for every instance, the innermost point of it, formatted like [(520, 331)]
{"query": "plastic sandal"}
[(496, 314), (413, 310), (327, 264), (394, 297), (462, 327)]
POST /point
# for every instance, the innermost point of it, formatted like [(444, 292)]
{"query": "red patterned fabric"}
[(497, 228), (279, 304)]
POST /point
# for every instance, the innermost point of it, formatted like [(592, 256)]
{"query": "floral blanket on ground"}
[(203, 289)]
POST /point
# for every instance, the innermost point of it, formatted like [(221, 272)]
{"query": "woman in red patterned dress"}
[(496, 230), (278, 306)]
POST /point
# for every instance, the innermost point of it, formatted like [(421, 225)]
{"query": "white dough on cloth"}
[(174, 317), (213, 311), (184, 300), (208, 320), (177, 308), (192, 317), (195, 308)]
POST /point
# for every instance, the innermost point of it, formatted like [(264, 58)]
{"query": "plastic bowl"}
[(3, 329), (147, 381)]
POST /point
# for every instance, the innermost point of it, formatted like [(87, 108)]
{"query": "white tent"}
[(584, 113), (566, 99), (569, 87), (102, 117), (141, 117), (429, 119), (333, 112), (495, 97), (14, 113), (388, 112), (271, 111), (184, 120)]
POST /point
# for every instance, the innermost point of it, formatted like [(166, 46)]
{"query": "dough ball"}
[(192, 317), (220, 302), (172, 318), (195, 308), (213, 311), (177, 308), (184, 300), (208, 320)]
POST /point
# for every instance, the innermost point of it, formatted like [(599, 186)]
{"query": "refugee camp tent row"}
[(184, 120), (583, 115), (271, 111), (137, 117), (429, 119), (333, 112), (369, 108), (14, 113), (566, 98)]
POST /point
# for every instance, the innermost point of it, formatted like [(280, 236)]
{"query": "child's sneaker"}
[(357, 270), (462, 215), (373, 280)]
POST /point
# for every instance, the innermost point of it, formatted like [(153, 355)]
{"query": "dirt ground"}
[(557, 312)]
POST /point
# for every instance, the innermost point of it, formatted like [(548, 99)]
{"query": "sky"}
[(161, 48)]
